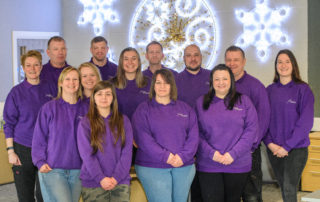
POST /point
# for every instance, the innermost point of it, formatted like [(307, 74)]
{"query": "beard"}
[(193, 69)]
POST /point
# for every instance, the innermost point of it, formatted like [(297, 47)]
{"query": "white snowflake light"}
[(262, 28), (175, 24), (97, 12)]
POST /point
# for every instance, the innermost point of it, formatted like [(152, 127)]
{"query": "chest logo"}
[(144, 92), (291, 101), (182, 115)]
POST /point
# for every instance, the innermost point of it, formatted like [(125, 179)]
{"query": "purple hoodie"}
[(191, 87), (55, 135), (255, 90), (114, 161), (107, 71), (292, 111), (226, 130), (161, 129), (21, 109)]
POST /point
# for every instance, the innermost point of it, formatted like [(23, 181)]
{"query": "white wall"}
[(17, 15), (78, 37)]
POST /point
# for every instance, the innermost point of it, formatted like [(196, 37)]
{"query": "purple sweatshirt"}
[(107, 71), (161, 129), (131, 96), (114, 161), (52, 74), (191, 87), (21, 109), (149, 74), (226, 130), (55, 135), (292, 111), (255, 90)]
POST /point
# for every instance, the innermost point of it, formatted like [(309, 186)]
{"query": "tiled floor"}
[(271, 193)]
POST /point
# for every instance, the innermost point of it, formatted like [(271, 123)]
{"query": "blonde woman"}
[(54, 145)]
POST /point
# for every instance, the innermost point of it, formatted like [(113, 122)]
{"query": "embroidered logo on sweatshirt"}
[(144, 92), (49, 95), (237, 109), (182, 115), (291, 101)]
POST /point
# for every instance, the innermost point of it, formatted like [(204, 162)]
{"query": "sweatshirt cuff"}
[(165, 156), (183, 158), (99, 178), (287, 148), (211, 153), (233, 155), (40, 163)]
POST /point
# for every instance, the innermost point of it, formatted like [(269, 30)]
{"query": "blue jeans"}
[(60, 185), (166, 184)]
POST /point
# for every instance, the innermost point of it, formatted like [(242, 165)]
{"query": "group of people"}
[(77, 131)]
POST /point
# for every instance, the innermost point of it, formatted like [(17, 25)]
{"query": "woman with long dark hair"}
[(228, 123), (105, 146), (292, 112), (166, 132)]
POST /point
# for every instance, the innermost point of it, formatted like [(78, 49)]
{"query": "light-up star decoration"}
[(262, 28), (97, 12), (175, 24)]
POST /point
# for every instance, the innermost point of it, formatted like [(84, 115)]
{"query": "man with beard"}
[(193, 81), (99, 49), (154, 54)]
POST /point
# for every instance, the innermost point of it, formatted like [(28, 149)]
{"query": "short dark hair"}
[(154, 43), (98, 39), (235, 48), (55, 38), (166, 75)]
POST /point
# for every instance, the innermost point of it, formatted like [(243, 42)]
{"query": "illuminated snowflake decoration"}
[(111, 56), (262, 28), (175, 24), (97, 12)]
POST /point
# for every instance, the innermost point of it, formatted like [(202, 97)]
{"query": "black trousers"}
[(288, 171), (222, 187), (253, 188), (195, 189), (25, 176)]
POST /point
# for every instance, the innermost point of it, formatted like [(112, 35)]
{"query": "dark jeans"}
[(253, 187), (222, 187), (288, 171), (195, 189), (25, 176)]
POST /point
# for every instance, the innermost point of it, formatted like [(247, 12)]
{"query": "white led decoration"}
[(97, 12), (175, 24), (262, 28)]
